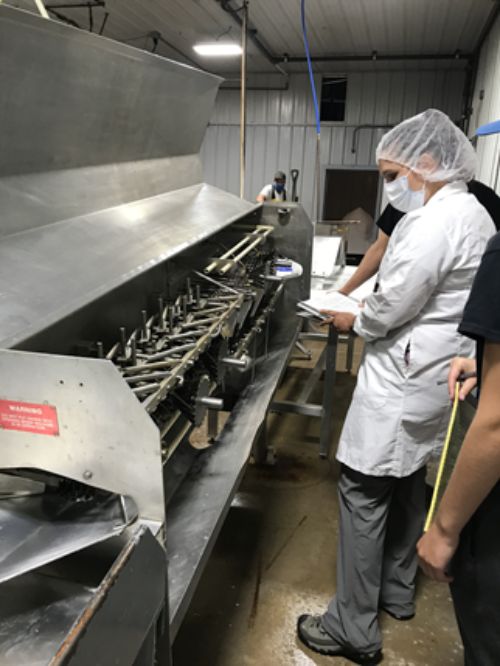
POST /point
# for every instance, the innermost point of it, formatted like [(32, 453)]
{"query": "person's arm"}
[(476, 472), (419, 260), (369, 264), (264, 194)]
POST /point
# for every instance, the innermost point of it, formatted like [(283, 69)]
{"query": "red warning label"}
[(28, 417)]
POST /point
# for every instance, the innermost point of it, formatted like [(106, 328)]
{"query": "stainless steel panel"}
[(103, 102), (105, 439), (42, 529), (46, 618), (123, 611), (32, 200), (36, 613), (51, 272)]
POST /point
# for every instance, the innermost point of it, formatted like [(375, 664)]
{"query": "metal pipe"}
[(200, 322), (242, 362), (67, 5), (184, 306), (243, 101), (221, 285), (135, 379), (354, 145), (133, 350), (170, 352), (246, 251), (41, 8), (170, 318), (188, 334), (252, 32), (123, 341), (143, 367), (211, 403), (144, 315), (376, 57), (260, 230), (104, 21), (161, 313), (148, 388)]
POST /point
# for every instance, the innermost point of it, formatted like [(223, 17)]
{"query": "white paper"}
[(331, 300)]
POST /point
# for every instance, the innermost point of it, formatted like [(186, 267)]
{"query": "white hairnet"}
[(431, 145)]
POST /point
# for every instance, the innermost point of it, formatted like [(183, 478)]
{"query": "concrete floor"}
[(275, 559)]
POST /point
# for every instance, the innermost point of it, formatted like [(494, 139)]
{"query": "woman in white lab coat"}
[(399, 409)]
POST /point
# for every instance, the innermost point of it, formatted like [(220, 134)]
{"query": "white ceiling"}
[(336, 27)]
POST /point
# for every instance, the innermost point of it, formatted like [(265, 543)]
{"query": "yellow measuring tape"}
[(444, 456)]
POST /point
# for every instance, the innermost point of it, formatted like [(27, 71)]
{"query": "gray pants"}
[(381, 520)]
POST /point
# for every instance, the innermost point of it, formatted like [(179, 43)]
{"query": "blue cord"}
[(309, 65)]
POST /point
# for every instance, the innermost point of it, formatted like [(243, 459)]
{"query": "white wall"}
[(487, 109), (281, 131)]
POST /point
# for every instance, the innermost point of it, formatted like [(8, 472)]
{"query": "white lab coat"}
[(398, 414)]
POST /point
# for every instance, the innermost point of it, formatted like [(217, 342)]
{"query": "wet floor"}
[(275, 559)]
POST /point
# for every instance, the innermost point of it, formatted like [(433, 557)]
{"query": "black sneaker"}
[(398, 616), (312, 634)]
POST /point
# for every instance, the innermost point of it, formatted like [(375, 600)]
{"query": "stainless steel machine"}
[(136, 303)]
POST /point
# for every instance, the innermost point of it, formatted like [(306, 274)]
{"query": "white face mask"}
[(402, 197)]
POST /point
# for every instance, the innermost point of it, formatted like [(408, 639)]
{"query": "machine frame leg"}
[(325, 438)]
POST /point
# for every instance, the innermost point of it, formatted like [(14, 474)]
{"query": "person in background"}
[(275, 191), (387, 222), (397, 417), (462, 546)]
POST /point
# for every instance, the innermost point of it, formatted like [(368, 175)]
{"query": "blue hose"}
[(309, 65)]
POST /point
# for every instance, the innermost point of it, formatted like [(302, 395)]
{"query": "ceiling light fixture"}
[(218, 49)]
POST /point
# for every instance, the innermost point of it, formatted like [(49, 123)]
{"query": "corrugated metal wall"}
[(281, 131), (486, 105)]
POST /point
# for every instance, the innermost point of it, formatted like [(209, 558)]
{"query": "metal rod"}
[(100, 350), (243, 99), (161, 313), (200, 322), (123, 341), (318, 178), (133, 350), (184, 306), (354, 144), (67, 5), (171, 352), (243, 362), (170, 318), (41, 8), (148, 388), (104, 21), (211, 403), (247, 250), (221, 285), (187, 334), (144, 315), (260, 231), (135, 379), (133, 369)]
